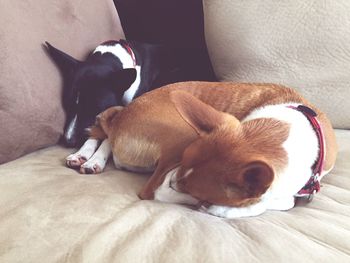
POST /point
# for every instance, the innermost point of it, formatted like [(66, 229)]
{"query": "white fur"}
[(173, 182), (119, 51), (302, 150), (188, 172), (266, 203), (85, 152), (73, 123), (301, 147), (236, 212), (165, 192), (71, 126), (99, 159), (130, 93)]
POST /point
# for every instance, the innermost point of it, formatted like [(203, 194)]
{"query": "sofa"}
[(49, 213)]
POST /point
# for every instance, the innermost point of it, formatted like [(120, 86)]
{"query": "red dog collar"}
[(313, 184)]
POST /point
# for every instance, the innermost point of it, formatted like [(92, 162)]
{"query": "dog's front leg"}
[(147, 192), (98, 161), (75, 160), (157, 178), (97, 134)]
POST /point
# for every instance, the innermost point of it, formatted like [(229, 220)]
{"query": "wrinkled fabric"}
[(300, 44), (31, 113), (49, 213)]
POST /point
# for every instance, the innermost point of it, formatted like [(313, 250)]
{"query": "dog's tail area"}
[(103, 124)]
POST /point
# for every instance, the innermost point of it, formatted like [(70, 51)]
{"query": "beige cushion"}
[(31, 115), (302, 44), (49, 213)]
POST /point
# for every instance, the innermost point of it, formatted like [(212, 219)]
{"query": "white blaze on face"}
[(71, 127), (174, 178), (69, 132), (166, 193), (188, 172)]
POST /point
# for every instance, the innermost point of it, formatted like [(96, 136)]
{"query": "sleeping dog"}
[(114, 74), (235, 150)]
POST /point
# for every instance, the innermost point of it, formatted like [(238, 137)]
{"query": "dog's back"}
[(151, 126)]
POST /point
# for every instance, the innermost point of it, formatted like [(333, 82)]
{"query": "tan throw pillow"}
[(301, 44), (31, 114)]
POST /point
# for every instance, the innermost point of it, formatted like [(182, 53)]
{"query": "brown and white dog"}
[(235, 150)]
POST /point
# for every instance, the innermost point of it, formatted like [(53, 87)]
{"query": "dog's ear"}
[(123, 79), (201, 116), (257, 177), (65, 62)]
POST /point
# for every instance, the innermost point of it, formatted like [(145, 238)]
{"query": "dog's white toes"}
[(75, 161), (90, 169)]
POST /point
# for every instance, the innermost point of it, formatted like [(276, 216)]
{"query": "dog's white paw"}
[(75, 160), (87, 160), (92, 166), (90, 169)]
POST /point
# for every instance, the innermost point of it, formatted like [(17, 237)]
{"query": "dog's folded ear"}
[(123, 79), (65, 62), (201, 116)]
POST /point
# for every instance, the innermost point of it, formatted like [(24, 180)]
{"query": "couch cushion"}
[(49, 213), (157, 21), (31, 114), (302, 44)]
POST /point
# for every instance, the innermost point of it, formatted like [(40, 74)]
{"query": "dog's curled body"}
[(157, 132)]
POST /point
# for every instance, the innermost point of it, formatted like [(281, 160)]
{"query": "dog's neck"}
[(128, 60), (301, 147)]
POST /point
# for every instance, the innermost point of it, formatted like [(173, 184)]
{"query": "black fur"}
[(99, 82)]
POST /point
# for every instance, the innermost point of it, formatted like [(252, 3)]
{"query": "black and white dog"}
[(113, 74)]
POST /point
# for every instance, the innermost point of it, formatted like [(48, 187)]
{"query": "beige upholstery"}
[(49, 213), (31, 114), (301, 44)]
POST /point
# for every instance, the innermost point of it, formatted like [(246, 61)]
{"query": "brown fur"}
[(201, 129)]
